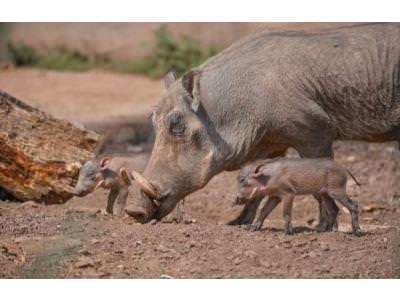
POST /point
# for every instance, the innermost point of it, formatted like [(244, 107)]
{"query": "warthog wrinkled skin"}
[(264, 94), (103, 171), (283, 179)]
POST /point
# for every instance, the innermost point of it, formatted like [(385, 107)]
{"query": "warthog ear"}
[(191, 83), (124, 176), (104, 163), (169, 78)]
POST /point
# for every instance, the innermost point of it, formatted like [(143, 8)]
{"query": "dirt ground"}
[(76, 240)]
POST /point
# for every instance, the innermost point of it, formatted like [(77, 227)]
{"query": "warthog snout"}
[(139, 214)]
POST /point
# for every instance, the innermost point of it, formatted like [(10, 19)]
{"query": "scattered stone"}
[(351, 158), (163, 249), (300, 244), (84, 262), (265, 264), (85, 252), (250, 254), (31, 204), (237, 261), (166, 276), (153, 222), (189, 221), (138, 243), (372, 207), (324, 247), (312, 254), (94, 241)]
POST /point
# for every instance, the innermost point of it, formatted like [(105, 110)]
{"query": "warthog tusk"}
[(253, 193), (100, 184), (146, 186)]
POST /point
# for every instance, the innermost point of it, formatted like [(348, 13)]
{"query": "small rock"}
[(237, 261), (324, 247), (120, 266), (250, 254), (385, 240), (372, 207), (351, 158), (163, 249), (300, 244), (166, 276), (153, 222), (120, 251), (138, 243), (85, 252), (265, 264), (30, 204), (377, 213), (312, 254), (190, 221), (84, 262), (94, 241)]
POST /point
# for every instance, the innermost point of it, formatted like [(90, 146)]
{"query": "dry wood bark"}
[(40, 155)]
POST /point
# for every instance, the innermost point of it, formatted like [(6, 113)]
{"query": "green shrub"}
[(22, 55), (169, 53), (180, 54)]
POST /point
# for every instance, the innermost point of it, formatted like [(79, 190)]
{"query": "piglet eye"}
[(176, 123)]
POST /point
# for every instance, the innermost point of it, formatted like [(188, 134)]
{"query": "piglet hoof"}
[(357, 232), (256, 226), (103, 212), (289, 231)]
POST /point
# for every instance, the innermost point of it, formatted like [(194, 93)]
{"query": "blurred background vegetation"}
[(180, 53)]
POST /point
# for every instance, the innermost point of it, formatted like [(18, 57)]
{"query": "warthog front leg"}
[(287, 213), (121, 201), (114, 191), (180, 211), (272, 202)]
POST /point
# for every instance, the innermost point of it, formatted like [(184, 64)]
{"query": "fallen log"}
[(40, 156)]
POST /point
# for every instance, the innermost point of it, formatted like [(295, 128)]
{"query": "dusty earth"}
[(76, 240)]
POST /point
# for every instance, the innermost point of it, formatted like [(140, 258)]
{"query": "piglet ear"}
[(169, 78), (258, 167), (123, 173), (104, 163)]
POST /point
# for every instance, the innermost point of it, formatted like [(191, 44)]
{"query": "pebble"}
[(312, 254), (237, 261), (163, 249), (153, 222), (324, 247), (84, 262), (250, 254), (85, 252), (166, 276)]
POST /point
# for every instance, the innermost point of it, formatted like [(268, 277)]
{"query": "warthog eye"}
[(176, 123)]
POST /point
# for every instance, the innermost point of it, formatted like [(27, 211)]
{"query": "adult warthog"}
[(265, 93)]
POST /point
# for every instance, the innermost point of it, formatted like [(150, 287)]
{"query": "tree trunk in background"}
[(40, 156)]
